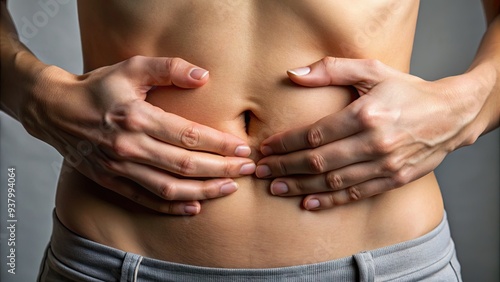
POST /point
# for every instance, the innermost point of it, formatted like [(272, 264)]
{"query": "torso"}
[(247, 46)]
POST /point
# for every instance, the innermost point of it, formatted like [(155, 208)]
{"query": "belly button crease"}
[(247, 120)]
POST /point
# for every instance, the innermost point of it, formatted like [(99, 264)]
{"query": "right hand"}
[(102, 125)]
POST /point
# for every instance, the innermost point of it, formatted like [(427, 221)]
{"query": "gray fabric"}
[(430, 257)]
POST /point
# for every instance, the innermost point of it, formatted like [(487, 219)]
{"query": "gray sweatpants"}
[(431, 257)]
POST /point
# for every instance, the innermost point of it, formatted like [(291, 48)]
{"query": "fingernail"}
[(279, 188), (242, 151), (312, 204), (300, 71), (247, 169), (228, 188), (263, 171), (198, 74), (188, 209), (266, 150)]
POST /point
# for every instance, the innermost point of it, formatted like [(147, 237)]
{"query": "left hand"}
[(398, 130)]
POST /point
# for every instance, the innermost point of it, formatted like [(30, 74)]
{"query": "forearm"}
[(474, 97), (23, 85), (486, 67)]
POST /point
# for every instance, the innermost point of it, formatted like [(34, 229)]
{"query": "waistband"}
[(85, 260)]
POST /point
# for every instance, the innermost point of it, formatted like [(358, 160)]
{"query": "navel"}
[(247, 120)]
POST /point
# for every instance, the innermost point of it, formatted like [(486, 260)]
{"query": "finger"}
[(141, 148), (137, 193), (169, 187), (332, 181), (328, 129), (316, 161), (352, 194), (361, 73), (175, 130), (145, 198), (372, 187), (181, 162), (149, 71), (188, 163), (183, 133), (148, 151)]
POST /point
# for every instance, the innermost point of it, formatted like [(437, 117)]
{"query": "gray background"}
[(447, 37)]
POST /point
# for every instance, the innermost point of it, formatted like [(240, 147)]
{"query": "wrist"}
[(468, 97), (35, 87), (18, 76), (484, 78)]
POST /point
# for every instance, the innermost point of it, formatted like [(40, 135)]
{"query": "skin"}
[(138, 145), (397, 143), (94, 132)]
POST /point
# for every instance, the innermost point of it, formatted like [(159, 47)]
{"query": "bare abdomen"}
[(251, 228)]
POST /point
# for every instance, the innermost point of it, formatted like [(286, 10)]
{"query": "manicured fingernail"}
[(247, 169), (279, 188), (266, 150), (300, 71), (312, 204), (263, 171), (198, 74), (228, 188), (242, 151), (188, 209)]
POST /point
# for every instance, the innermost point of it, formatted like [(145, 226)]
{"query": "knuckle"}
[(296, 185), (374, 64), (284, 147), (328, 62), (281, 166), (135, 61), (127, 116), (400, 178), (354, 193), (223, 144), (334, 200), (164, 207), (132, 122), (190, 136), (314, 137), (391, 165), (227, 168), (375, 67), (383, 146), (334, 181), (368, 117), (122, 148), (174, 64), (186, 166), (208, 191), (168, 208), (317, 162), (167, 190), (375, 115)]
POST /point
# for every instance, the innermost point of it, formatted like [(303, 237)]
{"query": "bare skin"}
[(247, 64), (247, 46)]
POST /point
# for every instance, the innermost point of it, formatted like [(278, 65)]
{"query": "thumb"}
[(360, 73), (161, 71)]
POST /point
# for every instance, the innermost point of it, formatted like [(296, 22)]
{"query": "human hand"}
[(398, 130), (103, 127)]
